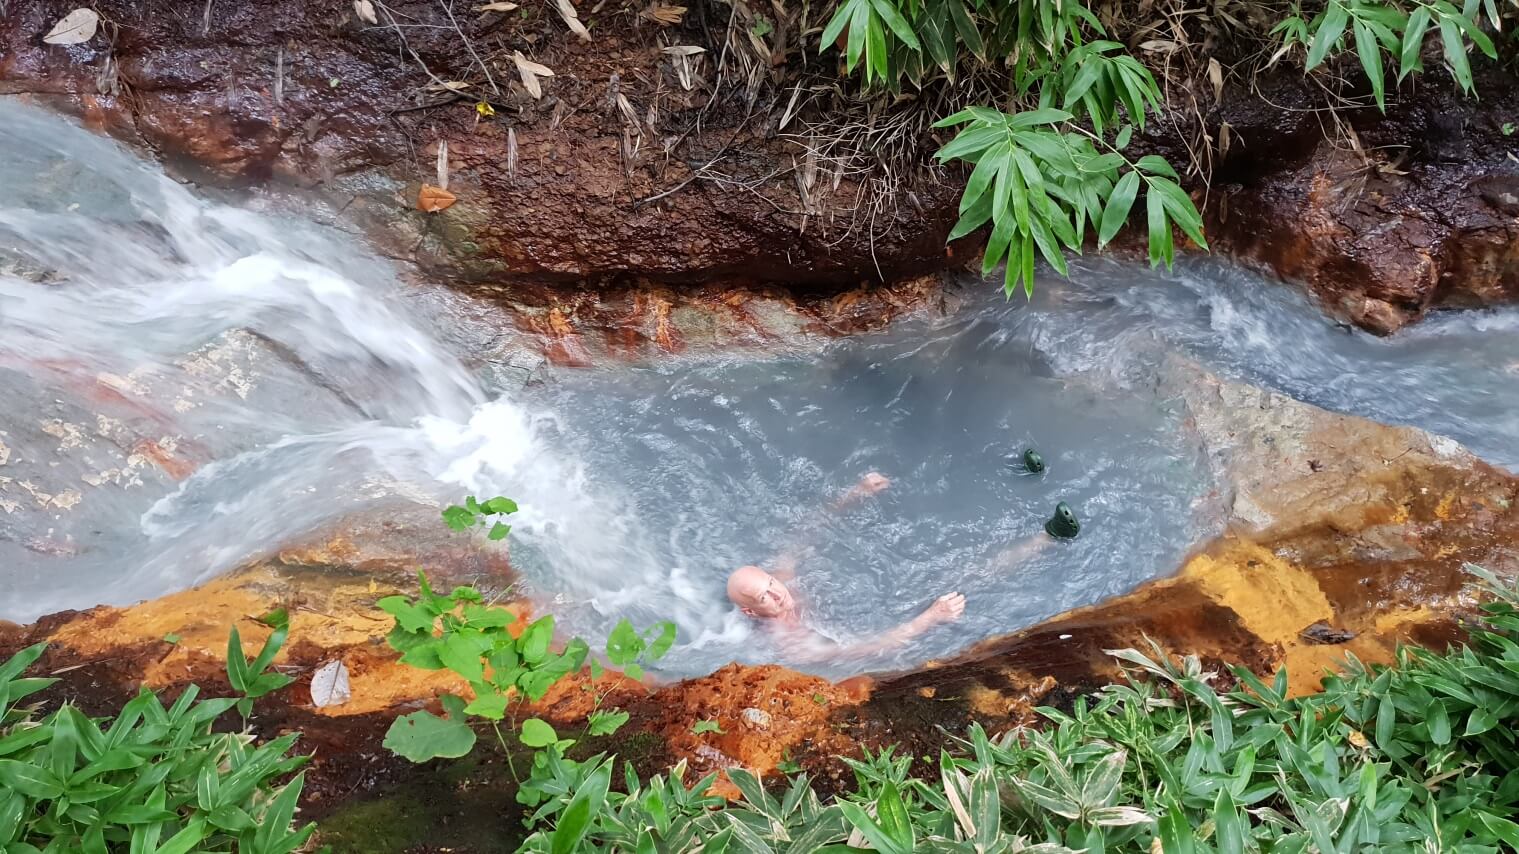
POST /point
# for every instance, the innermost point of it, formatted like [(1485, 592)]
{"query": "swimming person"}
[(764, 596)]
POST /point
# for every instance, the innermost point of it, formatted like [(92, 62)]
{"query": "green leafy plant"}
[(462, 633), (472, 512), (1379, 31), (1040, 187), (1421, 756), (251, 677), (149, 779)]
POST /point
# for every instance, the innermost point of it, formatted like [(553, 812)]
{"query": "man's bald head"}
[(759, 594)]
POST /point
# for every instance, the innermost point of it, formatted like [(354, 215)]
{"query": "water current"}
[(186, 385)]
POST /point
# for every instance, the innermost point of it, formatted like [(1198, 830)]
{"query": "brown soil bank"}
[(1344, 536), (644, 162)]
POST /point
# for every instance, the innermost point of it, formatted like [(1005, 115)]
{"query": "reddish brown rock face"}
[(1425, 215), (549, 191)]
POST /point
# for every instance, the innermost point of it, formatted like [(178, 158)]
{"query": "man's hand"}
[(946, 609)]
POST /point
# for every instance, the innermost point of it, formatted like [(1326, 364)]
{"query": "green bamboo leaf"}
[(1330, 30), (970, 35), (835, 26), (1371, 62), (859, 21), (898, 25), (1455, 53), (1116, 212), (575, 821), (875, 49), (874, 833), (982, 176), (1439, 723)]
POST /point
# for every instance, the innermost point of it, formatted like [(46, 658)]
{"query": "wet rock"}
[(1416, 213), (756, 718), (1322, 632)]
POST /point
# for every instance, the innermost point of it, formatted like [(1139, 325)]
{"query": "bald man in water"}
[(765, 596)]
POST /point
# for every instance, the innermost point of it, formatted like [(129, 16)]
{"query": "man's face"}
[(760, 594)]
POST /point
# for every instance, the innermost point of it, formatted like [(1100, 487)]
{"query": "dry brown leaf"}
[(684, 50), (455, 85), (1216, 77), (496, 7), (572, 19), (433, 199), (443, 164), (1225, 138), (629, 114), (365, 10), (1160, 46), (665, 15), (77, 27), (530, 71)]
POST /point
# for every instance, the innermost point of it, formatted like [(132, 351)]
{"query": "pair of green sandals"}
[(1063, 525)]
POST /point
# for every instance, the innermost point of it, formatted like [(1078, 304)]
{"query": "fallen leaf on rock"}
[(572, 19), (77, 27), (365, 10), (684, 50), (530, 71), (665, 15), (329, 685), (496, 7), (433, 199)]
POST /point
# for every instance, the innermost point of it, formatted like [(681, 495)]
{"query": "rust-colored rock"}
[(1420, 211)]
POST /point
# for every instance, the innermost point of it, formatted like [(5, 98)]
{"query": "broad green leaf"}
[(488, 703), (537, 733), (498, 531), (662, 643), (421, 736), (606, 722), (500, 505), (623, 644), (534, 642)]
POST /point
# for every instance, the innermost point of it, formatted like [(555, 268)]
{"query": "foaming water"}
[(188, 386)]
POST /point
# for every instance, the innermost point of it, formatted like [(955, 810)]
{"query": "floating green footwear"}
[(1063, 525), (1033, 461)]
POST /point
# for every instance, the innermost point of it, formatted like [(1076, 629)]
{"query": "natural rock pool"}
[(188, 386)]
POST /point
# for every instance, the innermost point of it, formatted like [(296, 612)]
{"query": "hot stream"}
[(188, 385)]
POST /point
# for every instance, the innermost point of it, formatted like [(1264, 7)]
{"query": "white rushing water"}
[(186, 386)]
